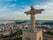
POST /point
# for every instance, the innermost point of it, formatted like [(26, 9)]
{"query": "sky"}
[(14, 9)]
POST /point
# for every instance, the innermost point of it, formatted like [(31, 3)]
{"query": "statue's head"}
[(32, 8)]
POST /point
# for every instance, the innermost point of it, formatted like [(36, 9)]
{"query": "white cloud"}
[(13, 5), (10, 14), (7, 14), (45, 5), (48, 12)]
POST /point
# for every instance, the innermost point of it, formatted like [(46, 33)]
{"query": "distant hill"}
[(37, 22), (20, 22), (49, 23)]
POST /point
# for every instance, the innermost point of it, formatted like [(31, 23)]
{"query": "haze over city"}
[(14, 9)]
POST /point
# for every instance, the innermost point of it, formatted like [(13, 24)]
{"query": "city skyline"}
[(14, 9)]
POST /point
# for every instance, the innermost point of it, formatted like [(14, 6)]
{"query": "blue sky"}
[(14, 9)]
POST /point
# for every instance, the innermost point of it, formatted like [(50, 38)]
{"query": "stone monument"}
[(31, 32)]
